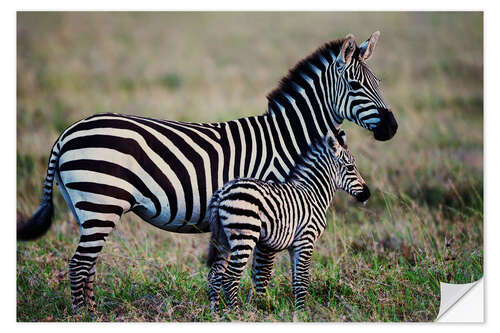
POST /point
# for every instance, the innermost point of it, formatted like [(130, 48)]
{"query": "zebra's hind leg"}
[(89, 289), (262, 266), (82, 265)]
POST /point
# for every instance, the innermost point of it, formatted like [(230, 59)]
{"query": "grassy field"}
[(381, 262)]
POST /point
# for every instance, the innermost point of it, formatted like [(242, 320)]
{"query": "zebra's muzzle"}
[(364, 195), (387, 127)]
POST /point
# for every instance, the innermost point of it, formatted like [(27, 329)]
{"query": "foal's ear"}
[(347, 50), (366, 49), (342, 137), (333, 143)]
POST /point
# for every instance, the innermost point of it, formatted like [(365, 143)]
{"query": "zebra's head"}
[(345, 173), (357, 94)]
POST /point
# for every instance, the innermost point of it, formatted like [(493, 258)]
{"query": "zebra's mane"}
[(316, 59)]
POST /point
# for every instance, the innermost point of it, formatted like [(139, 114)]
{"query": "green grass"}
[(380, 262)]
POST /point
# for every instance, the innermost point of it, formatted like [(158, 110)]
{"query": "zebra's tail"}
[(38, 224), (215, 228)]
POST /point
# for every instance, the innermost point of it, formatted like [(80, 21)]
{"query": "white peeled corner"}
[(462, 303)]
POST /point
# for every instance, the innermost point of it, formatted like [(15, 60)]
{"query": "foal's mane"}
[(315, 144)]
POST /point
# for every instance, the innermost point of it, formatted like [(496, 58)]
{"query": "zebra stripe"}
[(248, 213)]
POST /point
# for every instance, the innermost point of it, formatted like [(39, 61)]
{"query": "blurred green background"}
[(382, 262)]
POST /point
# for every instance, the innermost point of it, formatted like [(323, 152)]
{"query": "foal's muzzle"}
[(387, 126)]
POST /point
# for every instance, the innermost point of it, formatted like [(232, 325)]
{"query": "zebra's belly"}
[(177, 225), (157, 212)]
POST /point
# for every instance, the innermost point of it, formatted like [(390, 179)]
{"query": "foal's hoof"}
[(214, 311), (215, 315), (77, 309), (299, 315), (233, 314)]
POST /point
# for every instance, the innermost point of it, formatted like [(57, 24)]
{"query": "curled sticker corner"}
[(451, 294)]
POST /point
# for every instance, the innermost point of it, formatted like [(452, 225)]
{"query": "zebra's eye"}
[(350, 167), (355, 85)]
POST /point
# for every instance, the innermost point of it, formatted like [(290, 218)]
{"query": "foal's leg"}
[(241, 246), (215, 277), (301, 262), (263, 261)]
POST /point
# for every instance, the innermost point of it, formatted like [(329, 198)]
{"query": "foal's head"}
[(345, 173)]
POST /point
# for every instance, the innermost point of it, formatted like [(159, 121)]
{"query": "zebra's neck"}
[(304, 104), (301, 109)]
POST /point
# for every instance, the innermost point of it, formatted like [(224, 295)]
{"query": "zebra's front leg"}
[(262, 266), (301, 263)]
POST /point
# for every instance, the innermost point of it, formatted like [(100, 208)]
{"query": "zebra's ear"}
[(347, 50), (366, 49)]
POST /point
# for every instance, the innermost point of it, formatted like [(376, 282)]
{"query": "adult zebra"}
[(166, 171)]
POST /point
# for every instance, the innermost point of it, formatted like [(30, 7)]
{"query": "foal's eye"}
[(350, 167), (355, 85)]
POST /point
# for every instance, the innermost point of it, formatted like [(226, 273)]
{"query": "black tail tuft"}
[(38, 224), (212, 253), (41, 220)]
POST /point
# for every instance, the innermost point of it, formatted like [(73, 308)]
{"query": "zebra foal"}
[(270, 217)]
